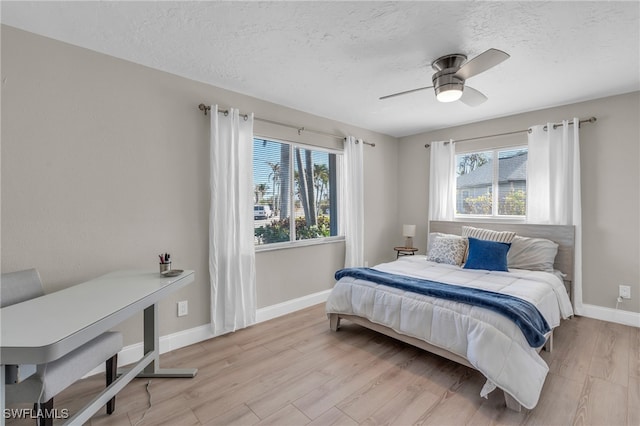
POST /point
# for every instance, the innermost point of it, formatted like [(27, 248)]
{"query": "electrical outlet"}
[(624, 291), (183, 308)]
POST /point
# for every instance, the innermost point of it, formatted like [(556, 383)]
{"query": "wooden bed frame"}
[(561, 234)]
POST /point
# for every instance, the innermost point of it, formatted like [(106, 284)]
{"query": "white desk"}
[(44, 329)]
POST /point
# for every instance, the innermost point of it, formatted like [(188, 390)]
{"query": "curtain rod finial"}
[(205, 108)]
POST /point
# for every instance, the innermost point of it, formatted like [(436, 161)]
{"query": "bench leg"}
[(111, 375), (44, 413)]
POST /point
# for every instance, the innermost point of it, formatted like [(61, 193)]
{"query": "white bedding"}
[(493, 344)]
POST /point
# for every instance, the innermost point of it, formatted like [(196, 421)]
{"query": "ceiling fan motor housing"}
[(446, 67), (446, 80)]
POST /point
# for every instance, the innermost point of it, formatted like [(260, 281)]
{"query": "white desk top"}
[(43, 329)]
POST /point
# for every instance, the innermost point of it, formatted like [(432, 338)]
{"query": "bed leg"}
[(512, 404), (548, 345), (334, 322)]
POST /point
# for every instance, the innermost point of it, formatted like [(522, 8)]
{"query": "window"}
[(485, 187), (298, 182)]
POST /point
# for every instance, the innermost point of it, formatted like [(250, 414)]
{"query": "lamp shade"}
[(409, 230)]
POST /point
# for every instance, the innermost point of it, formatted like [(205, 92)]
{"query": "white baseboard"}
[(132, 353), (284, 308), (612, 315)]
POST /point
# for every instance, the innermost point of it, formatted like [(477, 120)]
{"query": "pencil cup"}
[(164, 267)]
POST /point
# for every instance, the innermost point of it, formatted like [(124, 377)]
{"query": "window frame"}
[(494, 216), (293, 243)]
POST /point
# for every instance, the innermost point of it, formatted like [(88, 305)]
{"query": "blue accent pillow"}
[(487, 255)]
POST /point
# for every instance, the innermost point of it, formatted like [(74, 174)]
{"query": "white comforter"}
[(492, 343)]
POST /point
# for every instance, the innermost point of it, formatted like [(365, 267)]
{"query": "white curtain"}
[(352, 202), (442, 180), (231, 246), (553, 185)]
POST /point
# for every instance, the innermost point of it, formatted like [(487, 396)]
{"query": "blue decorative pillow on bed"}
[(487, 255)]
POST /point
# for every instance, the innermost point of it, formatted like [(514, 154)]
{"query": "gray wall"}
[(610, 159), (105, 165)]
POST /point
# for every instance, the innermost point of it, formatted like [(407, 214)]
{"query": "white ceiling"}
[(335, 59)]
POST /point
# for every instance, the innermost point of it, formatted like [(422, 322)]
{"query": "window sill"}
[(299, 243), (490, 219)]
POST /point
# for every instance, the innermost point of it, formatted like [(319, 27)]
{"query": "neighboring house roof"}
[(511, 169)]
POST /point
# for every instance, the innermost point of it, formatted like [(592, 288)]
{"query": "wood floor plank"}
[(558, 402), (287, 416), (403, 409), (215, 397), (333, 417), (633, 401), (493, 411), (458, 403), (240, 416), (374, 394), (333, 392), (598, 401), (273, 330), (310, 333), (211, 377), (277, 376), (611, 355), (115, 419), (575, 343), (237, 374), (172, 412), (370, 348), (268, 403), (634, 352), (185, 354)]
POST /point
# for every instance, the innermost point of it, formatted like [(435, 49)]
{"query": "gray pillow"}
[(533, 254)]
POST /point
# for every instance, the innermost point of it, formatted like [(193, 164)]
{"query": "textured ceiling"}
[(335, 59)]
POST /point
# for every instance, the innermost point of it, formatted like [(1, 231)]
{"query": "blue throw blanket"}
[(524, 314)]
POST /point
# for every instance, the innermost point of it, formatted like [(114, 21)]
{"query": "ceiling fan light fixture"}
[(447, 86), (449, 94)]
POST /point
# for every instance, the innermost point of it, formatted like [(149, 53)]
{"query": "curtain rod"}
[(207, 108), (555, 125)]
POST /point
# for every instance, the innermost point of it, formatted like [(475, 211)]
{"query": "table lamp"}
[(409, 231)]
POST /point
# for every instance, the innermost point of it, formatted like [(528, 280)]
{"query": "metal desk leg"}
[(152, 344)]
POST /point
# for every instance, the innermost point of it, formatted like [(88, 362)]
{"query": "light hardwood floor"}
[(294, 371)]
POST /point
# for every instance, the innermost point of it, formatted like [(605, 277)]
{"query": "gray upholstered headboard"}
[(563, 235)]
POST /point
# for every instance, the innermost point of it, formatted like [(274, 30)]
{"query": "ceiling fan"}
[(451, 73)]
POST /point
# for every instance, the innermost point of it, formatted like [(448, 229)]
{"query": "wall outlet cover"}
[(624, 291), (183, 308)]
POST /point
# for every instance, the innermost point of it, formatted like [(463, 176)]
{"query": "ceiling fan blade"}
[(487, 59), (472, 97), (405, 92)]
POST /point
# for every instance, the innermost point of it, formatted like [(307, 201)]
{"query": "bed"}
[(478, 337)]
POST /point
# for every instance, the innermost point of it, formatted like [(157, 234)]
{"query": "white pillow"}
[(488, 234), (448, 249), (534, 254)]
